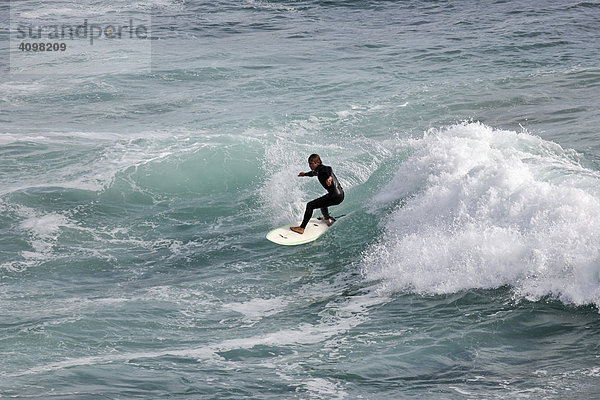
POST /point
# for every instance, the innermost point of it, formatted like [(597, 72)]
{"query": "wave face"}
[(477, 207)]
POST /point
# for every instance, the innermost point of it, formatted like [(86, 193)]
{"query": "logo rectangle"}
[(46, 42)]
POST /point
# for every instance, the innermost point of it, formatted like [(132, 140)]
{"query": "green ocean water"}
[(135, 200)]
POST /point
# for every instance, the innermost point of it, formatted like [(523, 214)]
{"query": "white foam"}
[(359, 110), (339, 318), (92, 9), (14, 91), (45, 226), (259, 4), (282, 194), (256, 309), (320, 388), (483, 208), (42, 231)]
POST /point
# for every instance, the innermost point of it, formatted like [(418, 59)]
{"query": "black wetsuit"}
[(334, 196)]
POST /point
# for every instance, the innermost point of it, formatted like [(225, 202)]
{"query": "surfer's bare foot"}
[(297, 229)]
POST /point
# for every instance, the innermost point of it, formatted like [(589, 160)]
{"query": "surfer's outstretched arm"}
[(310, 173)]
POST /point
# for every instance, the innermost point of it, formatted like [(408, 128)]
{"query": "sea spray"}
[(484, 208)]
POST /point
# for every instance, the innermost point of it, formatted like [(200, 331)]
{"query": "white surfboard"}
[(285, 236)]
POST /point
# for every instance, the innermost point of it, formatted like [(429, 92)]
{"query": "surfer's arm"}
[(311, 173), (327, 171)]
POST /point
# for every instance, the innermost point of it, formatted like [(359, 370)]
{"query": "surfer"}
[(334, 196)]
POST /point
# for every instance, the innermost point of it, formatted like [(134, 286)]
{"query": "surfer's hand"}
[(301, 174), (329, 181)]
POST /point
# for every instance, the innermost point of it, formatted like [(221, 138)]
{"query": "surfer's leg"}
[(307, 216), (327, 201), (322, 202), (311, 206)]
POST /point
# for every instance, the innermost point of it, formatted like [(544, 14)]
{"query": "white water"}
[(482, 208)]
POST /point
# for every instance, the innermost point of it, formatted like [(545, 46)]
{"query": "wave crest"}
[(484, 208)]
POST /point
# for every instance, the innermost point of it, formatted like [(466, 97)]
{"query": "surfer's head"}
[(314, 161)]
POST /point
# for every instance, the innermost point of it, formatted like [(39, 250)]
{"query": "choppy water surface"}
[(134, 203)]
